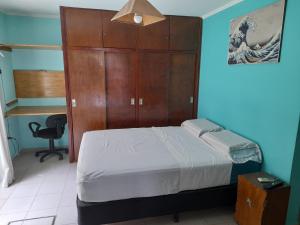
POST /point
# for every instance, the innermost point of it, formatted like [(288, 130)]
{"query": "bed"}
[(126, 174)]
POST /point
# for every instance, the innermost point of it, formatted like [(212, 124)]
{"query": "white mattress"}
[(146, 162)]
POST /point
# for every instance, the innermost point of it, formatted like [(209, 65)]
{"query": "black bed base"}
[(136, 208)]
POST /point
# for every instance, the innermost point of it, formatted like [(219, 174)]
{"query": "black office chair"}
[(55, 130)]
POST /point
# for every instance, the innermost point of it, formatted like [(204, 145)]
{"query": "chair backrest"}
[(57, 121)]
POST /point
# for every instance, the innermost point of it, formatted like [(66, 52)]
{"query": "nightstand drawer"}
[(256, 206), (250, 203)]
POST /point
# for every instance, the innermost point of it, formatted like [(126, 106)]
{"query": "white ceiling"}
[(50, 8)]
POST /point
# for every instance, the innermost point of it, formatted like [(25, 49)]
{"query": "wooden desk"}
[(36, 110)]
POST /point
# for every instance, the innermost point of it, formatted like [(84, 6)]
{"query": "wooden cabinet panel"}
[(250, 202), (87, 87), (83, 27), (153, 89), (257, 206), (181, 88), (121, 89), (155, 36), (184, 33), (116, 34), (39, 83)]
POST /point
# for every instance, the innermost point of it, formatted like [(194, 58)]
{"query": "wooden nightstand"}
[(256, 206)]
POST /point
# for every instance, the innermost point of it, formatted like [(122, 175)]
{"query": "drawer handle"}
[(132, 101), (249, 202), (141, 101)]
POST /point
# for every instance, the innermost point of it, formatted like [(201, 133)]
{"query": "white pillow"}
[(238, 148), (199, 127)]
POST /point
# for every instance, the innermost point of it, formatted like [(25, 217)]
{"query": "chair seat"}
[(47, 133)]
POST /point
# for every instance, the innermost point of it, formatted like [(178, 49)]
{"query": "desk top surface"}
[(36, 110)]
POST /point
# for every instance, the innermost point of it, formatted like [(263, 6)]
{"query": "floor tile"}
[(5, 219), (66, 215), (40, 221), (70, 188), (2, 201), (51, 188), (6, 192), (43, 202), (192, 218), (14, 205), (41, 213), (68, 200), (33, 176), (25, 190), (16, 223)]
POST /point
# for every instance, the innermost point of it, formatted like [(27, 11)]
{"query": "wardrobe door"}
[(83, 27), (153, 89), (181, 88), (121, 92), (87, 92), (184, 33), (116, 34), (155, 36)]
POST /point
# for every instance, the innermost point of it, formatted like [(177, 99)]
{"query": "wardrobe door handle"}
[(249, 202), (74, 103), (191, 99), (141, 101), (132, 101)]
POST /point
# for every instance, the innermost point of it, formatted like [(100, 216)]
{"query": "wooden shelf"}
[(36, 110), (8, 47)]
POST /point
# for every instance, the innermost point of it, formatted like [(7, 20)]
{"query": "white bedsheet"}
[(146, 162)]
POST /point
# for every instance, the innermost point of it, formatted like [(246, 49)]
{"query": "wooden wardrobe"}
[(122, 76)]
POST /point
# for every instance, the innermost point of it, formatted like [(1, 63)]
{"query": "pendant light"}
[(139, 12)]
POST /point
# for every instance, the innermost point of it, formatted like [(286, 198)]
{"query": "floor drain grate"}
[(47, 220)]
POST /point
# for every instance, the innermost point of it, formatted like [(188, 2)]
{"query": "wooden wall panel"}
[(181, 88), (121, 89), (116, 34), (87, 88), (155, 36), (153, 89), (39, 84), (83, 27), (184, 33)]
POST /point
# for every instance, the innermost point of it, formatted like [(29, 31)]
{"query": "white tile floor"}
[(46, 189)]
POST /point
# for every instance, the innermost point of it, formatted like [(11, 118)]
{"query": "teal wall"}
[(260, 102), (37, 59), (2, 31), (31, 30)]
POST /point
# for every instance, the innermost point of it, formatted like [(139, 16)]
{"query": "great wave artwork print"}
[(256, 37)]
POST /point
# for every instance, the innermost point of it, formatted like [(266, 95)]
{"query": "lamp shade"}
[(139, 12)]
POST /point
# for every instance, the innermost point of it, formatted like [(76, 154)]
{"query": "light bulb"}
[(138, 18)]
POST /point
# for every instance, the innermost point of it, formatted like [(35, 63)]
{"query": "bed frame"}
[(136, 208)]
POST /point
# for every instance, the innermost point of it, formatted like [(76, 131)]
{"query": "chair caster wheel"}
[(41, 160), (36, 154), (61, 158)]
